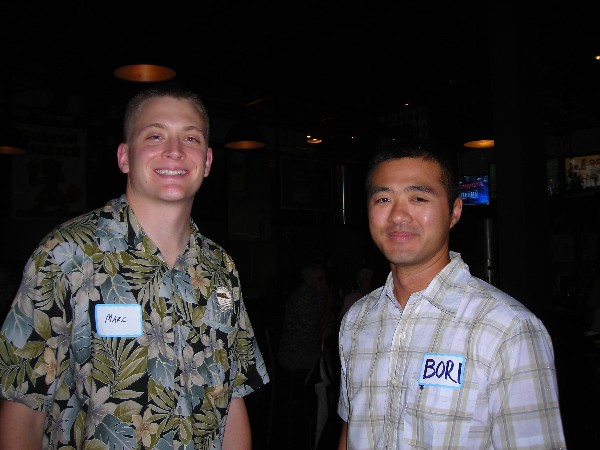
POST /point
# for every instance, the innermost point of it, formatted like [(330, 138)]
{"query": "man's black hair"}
[(420, 149)]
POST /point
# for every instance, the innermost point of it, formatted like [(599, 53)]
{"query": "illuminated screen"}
[(474, 189)]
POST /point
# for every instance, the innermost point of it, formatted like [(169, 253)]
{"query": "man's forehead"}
[(408, 174), (410, 167)]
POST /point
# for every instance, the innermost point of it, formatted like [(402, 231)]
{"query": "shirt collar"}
[(130, 230), (438, 292)]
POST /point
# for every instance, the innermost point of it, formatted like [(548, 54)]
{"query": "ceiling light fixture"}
[(480, 143), (144, 73), (11, 139), (313, 139), (476, 130), (244, 135)]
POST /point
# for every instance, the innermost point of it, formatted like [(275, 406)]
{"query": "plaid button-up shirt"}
[(463, 366)]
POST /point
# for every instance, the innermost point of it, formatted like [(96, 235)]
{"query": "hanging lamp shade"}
[(477, 125), (244, 135), (144, 73), (479, 143), (477, 131), (11, 139), (314, 135)]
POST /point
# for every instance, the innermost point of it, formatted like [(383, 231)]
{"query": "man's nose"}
[(174, 150), (399, 213)]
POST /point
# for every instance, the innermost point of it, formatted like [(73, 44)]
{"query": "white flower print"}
[(18, 395), (86, 281), (144, 428), (50, 366), (82, 377), (189, 367), (61, 340), (98, 409), (157, 337)]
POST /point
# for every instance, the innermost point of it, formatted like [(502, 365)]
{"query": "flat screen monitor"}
[(474, 189)]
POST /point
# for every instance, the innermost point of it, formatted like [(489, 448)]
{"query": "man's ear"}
[(456, 211), (208, 163), (123, 158)]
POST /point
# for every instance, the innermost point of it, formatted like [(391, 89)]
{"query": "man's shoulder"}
[(491, 304), (457, 282), (113, 207), (80, 228), (207, 244), (211, 250), (362, 305), (85, 217)]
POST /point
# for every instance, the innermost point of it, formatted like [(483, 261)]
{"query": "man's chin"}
[(176, 195), (399, 255), (403, 259)]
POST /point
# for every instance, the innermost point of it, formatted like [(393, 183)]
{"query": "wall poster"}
[(49, 181)]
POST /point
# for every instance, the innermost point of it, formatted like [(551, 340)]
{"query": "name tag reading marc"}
[(118, 320)]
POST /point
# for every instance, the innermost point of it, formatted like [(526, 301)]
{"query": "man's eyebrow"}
[(377, 189), (154, 125), (420, 188), (162, 125), (412, 188), (194, 128)]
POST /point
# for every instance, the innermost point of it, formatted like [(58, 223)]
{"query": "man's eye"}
[(193, 139), (419, 199), (382, 200)]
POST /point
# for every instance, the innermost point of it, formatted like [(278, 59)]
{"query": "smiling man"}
[(129, 329), (436, 358)]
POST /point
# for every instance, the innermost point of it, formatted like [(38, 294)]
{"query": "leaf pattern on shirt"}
[(169, 387)]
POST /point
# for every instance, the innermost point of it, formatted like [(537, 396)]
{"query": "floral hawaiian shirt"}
[(119, 350)]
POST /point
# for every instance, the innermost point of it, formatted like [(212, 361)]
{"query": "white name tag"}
[(118, 320), (442, 370)]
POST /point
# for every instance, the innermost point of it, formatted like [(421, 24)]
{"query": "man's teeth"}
[(170, 172)]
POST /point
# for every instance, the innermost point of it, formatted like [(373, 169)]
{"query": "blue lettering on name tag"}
[(118, 320), (442, 370)]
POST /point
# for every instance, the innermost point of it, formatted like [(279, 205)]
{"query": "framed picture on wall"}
[(249, 196), (306, 184), (581, 173), (49, 180)]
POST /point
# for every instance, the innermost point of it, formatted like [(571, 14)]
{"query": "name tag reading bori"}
[(442, 370), (118, 320)]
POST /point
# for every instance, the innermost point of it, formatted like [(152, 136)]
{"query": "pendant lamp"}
[(144, 73), (244, 135), (11, 139), (479, 143)]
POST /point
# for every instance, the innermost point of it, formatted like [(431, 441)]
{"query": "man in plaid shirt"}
[(436, 358)]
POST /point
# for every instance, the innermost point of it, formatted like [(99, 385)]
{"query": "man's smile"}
[(171, 172)]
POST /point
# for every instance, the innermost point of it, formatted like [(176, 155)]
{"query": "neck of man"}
[(167, 224), (411, 279)]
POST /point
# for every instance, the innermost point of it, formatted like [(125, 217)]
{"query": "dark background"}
[(359, 73)]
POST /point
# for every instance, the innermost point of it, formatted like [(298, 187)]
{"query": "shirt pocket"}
[(440, 416)]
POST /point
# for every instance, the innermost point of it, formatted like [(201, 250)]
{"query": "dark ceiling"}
[(338, 65)]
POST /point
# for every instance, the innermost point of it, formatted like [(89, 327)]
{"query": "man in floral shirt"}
[(129, 330)]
